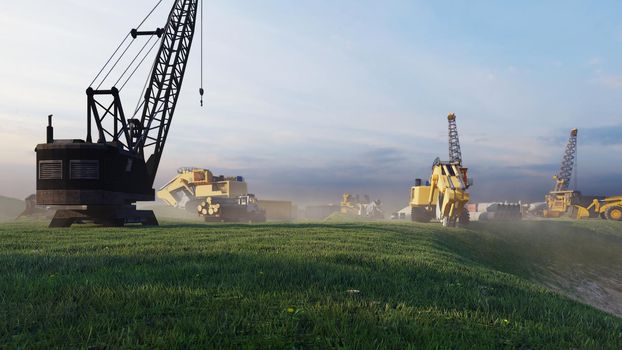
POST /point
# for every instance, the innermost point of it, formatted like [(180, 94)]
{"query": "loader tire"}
[(465, 218), (614, 213), (418, 214)]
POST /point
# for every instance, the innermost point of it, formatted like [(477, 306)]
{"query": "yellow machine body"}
[(362, 207), (347, 204), (216, 198), (609, 208), (200, 183), (559, 203), (444, 196)]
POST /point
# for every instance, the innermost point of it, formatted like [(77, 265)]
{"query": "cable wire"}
[(201, 91), (139, 64), (115, 64), (119, 47), (134, 60), (149, 14), (141, 97), (110, 59)]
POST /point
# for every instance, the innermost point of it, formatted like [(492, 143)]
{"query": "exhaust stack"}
[(50, 130)]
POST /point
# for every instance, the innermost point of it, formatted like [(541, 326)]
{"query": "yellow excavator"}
[(216, 198), (444, 195)]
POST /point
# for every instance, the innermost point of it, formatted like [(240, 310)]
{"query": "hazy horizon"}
[(311, 99)]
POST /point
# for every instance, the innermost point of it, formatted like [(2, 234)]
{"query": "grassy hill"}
[(357, 285), (10, 208)]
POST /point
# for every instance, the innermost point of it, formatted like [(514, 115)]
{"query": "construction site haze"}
[(311, 174), (302, 115)]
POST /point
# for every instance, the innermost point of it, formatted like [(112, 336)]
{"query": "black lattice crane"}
[(455, 154), (562, 179), (101, 181)]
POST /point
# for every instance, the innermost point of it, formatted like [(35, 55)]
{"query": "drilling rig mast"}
[(445, 195), (455, 154), (101, 181)]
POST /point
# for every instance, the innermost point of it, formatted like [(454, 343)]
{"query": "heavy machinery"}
[(354, 205), (563, 201), (609, 208), (445, 195), (496, 211), (560, 200), (216, 198), (101, 181)]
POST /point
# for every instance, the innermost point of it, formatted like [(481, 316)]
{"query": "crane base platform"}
[(107, 216)]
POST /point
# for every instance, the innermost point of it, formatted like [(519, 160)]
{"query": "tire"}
[(465, 218), (419, 214), (614, 213)]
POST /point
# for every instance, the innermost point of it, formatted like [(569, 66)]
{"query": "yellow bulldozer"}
[(444, 195), (216, 198)]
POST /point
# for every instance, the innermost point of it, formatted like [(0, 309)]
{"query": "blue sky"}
[(308, 99)]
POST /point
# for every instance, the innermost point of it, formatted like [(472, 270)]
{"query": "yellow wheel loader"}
[(609, 208), (216, 198), (444, 196)]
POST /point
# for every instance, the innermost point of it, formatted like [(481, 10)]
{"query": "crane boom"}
[(562, 179), (165, 82)]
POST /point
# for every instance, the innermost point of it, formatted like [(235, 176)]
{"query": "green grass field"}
[(325, 285)]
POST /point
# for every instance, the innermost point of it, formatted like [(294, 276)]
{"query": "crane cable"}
[(576, 167), (138, 66), (119, 47), (201, 91), (132, 62)]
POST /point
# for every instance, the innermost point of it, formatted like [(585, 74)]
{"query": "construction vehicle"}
[(216, 198), (354, 205), (563, 201), (101, 181), (496, 211), (608, 208), (444, 195), (560, 200)]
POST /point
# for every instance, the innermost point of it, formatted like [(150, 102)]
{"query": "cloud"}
[(606, 135), (595, 61), (610, 81)]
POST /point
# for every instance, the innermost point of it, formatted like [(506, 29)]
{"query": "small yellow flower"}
[(505, 322), (291, 310)]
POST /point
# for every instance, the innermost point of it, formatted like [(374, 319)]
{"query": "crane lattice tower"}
[(455, 154)]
